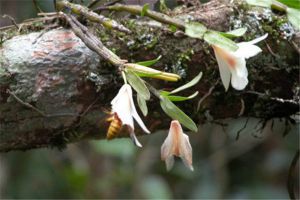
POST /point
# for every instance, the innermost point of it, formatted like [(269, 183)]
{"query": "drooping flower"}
[(232, 65), (177, 144), (124, 107)]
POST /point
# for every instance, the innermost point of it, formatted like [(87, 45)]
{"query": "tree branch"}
[(56, 73)]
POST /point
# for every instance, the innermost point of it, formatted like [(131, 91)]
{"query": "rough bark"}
[(70, 85)]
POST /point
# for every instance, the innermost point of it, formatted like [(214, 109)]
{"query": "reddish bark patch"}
[(47, 79)]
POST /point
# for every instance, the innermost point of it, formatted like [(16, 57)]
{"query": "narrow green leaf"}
[(149, 62), (291, 3), (193, 82), (142, 104), (150, 75), (144, 9), (215, 38), (262, 3), (195, 30), (138, 84), (235, 33), (173, 28), (175, 113), (294, 17), (164, 93), (181, 98)]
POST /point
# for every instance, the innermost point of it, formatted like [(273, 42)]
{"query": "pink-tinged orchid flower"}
[(124, 107), (177, 144), (232, 65)]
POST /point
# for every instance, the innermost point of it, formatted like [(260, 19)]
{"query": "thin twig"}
[(270, 50), (281, 100), (89, 107), (296, 47), (137, 10), (290, 181), (27, 22), (92, 16), (207, 95), (104, 6), (46, 14), (37, 7), (12, 20), (38, 110), (245, 125), (92, 3), (242, 107), (91, 41), (44, 31), (26, 104)]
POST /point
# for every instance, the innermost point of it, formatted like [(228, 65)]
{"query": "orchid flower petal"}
[(176, 144), (257, 40), (239, 74), (137, 117), (124, 107), (238, 82), (232, 65), (239, 68), (133, 111), (169, 162), (186, 152), (247, 50), (135, 140), (223, 67)]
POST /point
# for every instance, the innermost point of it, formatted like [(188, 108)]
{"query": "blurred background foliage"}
[(253, 166)]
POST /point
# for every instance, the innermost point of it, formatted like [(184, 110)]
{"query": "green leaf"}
[(262, 3), (235, 33), (294, 17), (142, 104), (138, 84), (149, 62), (215, 38), (181, 98), (291, 3), (144, 9), (175, 113), (193, 82), (164, 93), (195, 30), (150, 75), (173, 28)]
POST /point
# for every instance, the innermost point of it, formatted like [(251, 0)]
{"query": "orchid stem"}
[(153, 91), (124, 77), (137, 10)]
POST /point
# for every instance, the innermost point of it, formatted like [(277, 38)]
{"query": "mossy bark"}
[(71, 86)]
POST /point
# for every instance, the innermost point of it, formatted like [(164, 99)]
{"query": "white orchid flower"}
[(124, 107), (232, 65), (177, 144)]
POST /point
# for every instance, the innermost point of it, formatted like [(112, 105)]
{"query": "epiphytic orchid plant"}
[(232, 65), (231, 58)]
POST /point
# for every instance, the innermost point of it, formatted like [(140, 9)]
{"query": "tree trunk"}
[(54, 89)]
